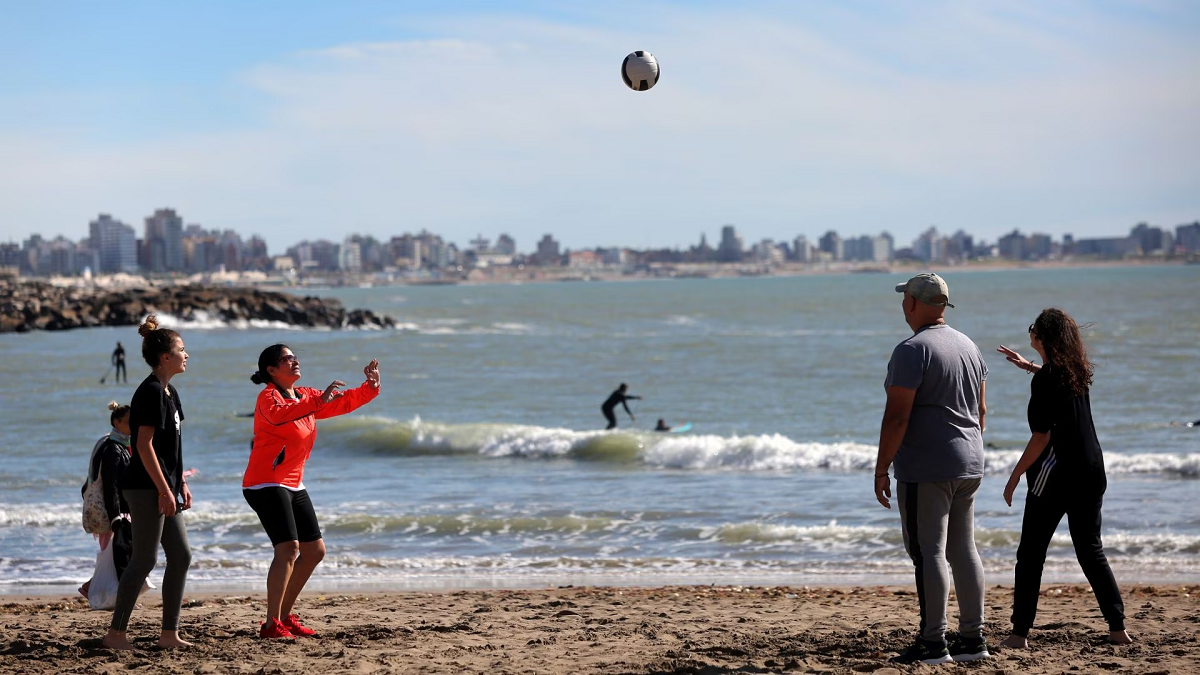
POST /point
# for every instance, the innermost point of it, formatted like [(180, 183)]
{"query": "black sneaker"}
[(924, 651), (968, 649)]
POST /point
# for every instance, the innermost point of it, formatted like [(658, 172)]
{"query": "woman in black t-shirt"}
[(154, 488), (1064, 471)]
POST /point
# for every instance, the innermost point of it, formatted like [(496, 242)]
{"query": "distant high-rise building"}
[(350, 255), (731, 247), (961, 246), (930, 246), (832, 243), (882, 248), (803, 249), (254, 254), (1187, 237), (506, 245), (859, 248), (163, 242), (1038, 246), (1012, 245), (1107, 247), (319, 255), (116, 244), (1147, 238), (547, 251)]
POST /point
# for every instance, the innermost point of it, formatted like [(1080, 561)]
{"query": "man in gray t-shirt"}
[(944, 439), (932, 432)]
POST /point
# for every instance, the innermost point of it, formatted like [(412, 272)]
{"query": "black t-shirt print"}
[(152, 406), (1074, 460)]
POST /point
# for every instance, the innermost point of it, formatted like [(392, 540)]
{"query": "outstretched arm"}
[(1017, 360), (277, 410), (355, 398), (626, 407)]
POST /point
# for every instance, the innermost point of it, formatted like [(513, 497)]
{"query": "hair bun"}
[(149, 325), (113, 405), (256, 378)]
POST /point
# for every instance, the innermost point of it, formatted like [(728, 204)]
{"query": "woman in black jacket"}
[(1064, 470), (109, 459)]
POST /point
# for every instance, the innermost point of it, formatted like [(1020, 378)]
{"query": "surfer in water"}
[(662, 425), (618, 396)]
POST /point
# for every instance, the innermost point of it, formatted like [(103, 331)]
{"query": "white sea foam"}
[(757, 453), (202, 320), (765, 452)]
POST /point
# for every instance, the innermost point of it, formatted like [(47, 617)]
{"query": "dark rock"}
[(36, 305)]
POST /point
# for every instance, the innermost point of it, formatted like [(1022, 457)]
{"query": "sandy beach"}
[(680, 629)]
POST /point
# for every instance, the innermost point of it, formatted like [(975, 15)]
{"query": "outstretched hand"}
[(331, 391), (1016, 359), (372, 373)]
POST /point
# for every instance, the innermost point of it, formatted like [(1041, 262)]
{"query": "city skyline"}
[(169, 246), (472, 117)]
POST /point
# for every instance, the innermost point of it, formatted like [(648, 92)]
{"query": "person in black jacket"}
[(108, 463), (1064, 470)]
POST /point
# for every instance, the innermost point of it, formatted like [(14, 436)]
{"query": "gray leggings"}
[(149, 528)]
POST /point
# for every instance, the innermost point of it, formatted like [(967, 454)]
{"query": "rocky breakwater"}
[(34, 305)]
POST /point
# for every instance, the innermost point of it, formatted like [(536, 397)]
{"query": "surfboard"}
[(686, 426)]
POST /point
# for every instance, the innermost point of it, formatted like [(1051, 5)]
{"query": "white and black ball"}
[(640, 71)]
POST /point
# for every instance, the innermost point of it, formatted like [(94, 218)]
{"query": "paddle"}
[(106, 374)]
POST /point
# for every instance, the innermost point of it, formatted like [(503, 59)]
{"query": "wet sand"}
[(681, 629)]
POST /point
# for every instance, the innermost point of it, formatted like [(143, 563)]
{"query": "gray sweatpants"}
[(149, 528), (938, 520)]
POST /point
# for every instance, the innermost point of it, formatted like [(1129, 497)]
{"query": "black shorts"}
[(286, 515)]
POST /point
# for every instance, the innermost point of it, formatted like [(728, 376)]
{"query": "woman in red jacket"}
[(285, 426)]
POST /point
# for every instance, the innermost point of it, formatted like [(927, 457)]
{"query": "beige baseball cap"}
[(927, 287)]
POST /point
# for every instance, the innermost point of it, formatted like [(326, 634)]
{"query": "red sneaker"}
[(274, 628), (293, 625)]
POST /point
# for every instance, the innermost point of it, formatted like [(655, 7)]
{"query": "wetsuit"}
[(615, 398), (284, 432), (118, 360)]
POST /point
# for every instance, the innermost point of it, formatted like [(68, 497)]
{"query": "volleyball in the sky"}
[(640, 71)]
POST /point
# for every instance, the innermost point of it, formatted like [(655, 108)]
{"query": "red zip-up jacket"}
[(285, 429)]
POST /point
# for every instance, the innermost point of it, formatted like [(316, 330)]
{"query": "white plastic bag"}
[(102, 593)]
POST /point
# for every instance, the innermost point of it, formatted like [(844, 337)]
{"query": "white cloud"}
[(988, 120)]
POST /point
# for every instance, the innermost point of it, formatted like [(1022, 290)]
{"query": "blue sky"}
[(302, 120)]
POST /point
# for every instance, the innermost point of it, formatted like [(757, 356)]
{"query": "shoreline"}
[(479, 584), (524, 275), (661, 629)]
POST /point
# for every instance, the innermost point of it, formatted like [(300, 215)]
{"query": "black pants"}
[(612, 419), (120, 370), (1042, 515)]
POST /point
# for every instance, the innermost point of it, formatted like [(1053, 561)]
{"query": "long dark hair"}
[(155, 341), (268, 358), (1065, 350)]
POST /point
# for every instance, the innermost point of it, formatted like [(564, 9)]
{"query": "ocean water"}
[(483, 464)]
